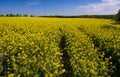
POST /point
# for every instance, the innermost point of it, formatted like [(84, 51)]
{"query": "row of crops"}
[(59, 47)]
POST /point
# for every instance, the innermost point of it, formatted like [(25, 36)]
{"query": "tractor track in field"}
[(65, 58)]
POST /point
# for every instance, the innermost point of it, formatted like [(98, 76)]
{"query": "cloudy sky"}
[(59, 7)]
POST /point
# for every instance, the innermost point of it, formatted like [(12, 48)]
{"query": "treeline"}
[(83, 16), (15, 15), (115, 16), (60, 16)]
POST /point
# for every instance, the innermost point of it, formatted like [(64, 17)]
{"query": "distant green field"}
[(59, 47)]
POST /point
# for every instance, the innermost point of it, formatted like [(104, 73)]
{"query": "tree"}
[(117, 18), (10, 15), (18, 15), (1, 15), (25, 15), (7, 15), (32, 16)]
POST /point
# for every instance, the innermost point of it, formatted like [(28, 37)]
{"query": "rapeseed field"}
[(59, 47)]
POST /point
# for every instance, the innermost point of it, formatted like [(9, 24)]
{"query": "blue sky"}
[(59, 7)]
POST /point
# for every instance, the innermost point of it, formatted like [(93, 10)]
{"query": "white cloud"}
[(104, 7), (32, 3)]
